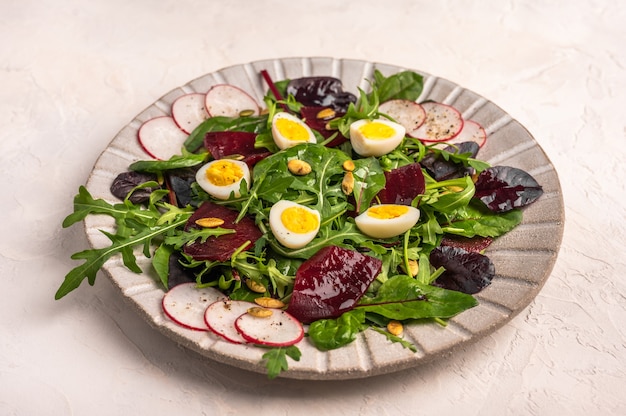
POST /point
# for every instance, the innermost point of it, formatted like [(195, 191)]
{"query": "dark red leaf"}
[(320, 91), (465, 271), (441, 169), (503, 188), (127, 181)]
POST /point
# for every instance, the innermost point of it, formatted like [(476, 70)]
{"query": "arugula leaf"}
[(84, 205), (369, 180), (95, 258), (186, 160), (161, 262), (179, 240), (136, 227), (326, 237), (276, 359), (394, 338), (449, 201)]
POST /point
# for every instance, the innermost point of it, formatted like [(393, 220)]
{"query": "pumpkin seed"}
[(260, 312), (209, 222), (395, 328), (348, 165), (325, 114), (347, 184), (255, 286), (299, 167), (268, 302), (413, 268), (246, 113)]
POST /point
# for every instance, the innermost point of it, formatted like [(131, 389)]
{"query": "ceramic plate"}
[(523, 258)]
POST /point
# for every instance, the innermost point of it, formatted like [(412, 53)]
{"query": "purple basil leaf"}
[(127, 181), (503, 188), (178, 273), (320, 91), (465, 271), (441, 169)]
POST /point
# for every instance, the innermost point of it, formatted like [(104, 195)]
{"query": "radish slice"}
[(443, 122), (472, 131), (407, 113), (161, 137), (188, 111), (220, 318), (186, 303), (278, 330), (229, 101)]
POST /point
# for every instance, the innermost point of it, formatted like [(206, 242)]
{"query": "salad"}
[(311, 218)]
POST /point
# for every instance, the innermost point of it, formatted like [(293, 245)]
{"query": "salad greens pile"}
[(403, 290)]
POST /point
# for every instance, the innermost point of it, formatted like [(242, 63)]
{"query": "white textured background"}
[(72, 73)]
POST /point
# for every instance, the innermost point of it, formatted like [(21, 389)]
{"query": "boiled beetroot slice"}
[(402, 185), (223, 144), (310, 116), (331, 283), (221, 248)]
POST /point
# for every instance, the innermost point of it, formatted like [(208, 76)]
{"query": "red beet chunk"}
[(331, 283), (222, 144), (403, 185), (309, 115), (221, 248)]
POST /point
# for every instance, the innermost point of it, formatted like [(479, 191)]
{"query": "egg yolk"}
[(376, 131), (387, 212), (291, 130), (224, 173), (299, 220)]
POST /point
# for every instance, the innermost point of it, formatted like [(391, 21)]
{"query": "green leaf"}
[(405, 85), (394, 338), (430, 230), (369, 180), (186, 160), (329, 334), (85, 205), (161, 262), (325, 238), (95, 258), (202, 234), (403, 297), (475, 220), (276, 359), (448, 201)]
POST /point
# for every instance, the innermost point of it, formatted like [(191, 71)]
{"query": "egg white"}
[(286, 237), (370, 144), (223, 192), (283, 139), (387, 227)]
